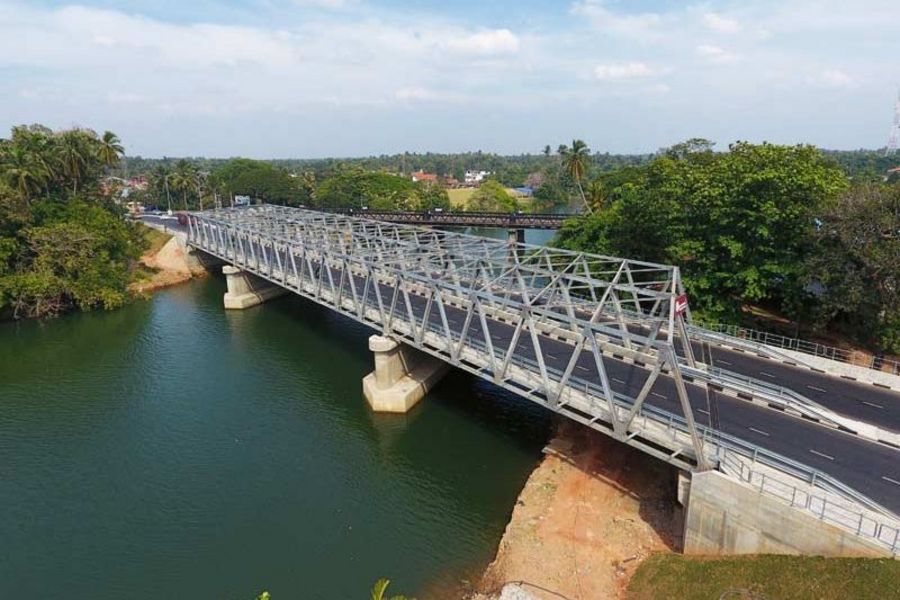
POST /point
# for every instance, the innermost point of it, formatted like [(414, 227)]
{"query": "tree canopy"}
[(352, 187), (491, 197), (63, 243)]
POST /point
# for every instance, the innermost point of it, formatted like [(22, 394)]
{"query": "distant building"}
[(476, 177), (138, 183), (524, 191), (425, 177), (451, 182)]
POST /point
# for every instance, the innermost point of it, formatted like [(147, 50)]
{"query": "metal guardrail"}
[(763, 390), (804, 346), (858, 522)]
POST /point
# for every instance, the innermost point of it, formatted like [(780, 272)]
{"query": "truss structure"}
[(540, 321)]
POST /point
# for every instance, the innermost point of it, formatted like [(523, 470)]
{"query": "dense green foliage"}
[(258, 179), (766, 576), (353, 187), (855, 265), (491, 197), (509, 170), (758, 225), (63, 244)]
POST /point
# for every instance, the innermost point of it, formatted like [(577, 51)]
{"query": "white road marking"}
[(759, 431), (705, 412), (873, 405), (818, 389), (582, 368), (724, 362), (618, 380), (894, 481), (767, 374), (821, 454), (658, 395)]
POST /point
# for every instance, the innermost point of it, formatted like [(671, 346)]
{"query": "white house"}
[(475, 177)]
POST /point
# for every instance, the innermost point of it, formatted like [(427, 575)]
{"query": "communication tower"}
[(894, 138)]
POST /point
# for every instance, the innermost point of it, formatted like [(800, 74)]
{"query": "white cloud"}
[(208, 68), (629, 70), (721, 24), (832, 78), (641, 26), (486, 43), (332, 4), (341, 73), (715, 54)]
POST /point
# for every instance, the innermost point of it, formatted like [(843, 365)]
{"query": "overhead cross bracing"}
[(593, 338), (547, 279)]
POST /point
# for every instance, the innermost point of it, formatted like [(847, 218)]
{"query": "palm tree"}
[(110, 149), (574, 161), (378, 591), (24, 171), (159, 183), (73, 156), (596, 195), (183, 179)]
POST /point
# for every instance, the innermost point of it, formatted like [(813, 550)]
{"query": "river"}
[(173, 450)]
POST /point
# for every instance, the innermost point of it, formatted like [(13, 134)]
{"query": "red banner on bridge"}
[(681, 305)]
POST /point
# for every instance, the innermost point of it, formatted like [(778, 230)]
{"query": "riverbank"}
[(588, 515), (163, 264)]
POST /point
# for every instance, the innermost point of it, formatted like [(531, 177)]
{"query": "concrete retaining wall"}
[(724, 516)]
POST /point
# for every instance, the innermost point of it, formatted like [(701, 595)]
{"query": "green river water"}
[(173, 450)]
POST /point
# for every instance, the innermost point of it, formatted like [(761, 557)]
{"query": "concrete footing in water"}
[(246, 290), (402, 375)]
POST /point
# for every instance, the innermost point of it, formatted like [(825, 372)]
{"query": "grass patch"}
[(155, 239), (767, 576), (459, 197)]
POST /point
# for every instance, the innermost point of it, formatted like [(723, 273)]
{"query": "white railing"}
[(806, 347)]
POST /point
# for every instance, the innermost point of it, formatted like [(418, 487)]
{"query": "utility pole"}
[(168, 197)]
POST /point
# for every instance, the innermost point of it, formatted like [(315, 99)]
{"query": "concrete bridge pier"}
[(246, 290), (515, 236), (402, 375)]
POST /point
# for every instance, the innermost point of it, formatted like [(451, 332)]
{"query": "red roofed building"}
[(423, 176)]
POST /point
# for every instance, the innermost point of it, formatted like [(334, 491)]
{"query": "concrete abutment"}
[(246, 290), (402, 375), (727, 517)]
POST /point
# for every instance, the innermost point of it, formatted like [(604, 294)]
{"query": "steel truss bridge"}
[(464, 219), (600, 340)]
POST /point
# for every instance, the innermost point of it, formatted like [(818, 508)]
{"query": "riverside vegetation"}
[(782, 228), (64, 244)]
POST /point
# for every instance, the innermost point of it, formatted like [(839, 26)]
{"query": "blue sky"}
[(309, 78)]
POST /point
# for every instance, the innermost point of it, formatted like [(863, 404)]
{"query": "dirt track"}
[(588, 515)]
